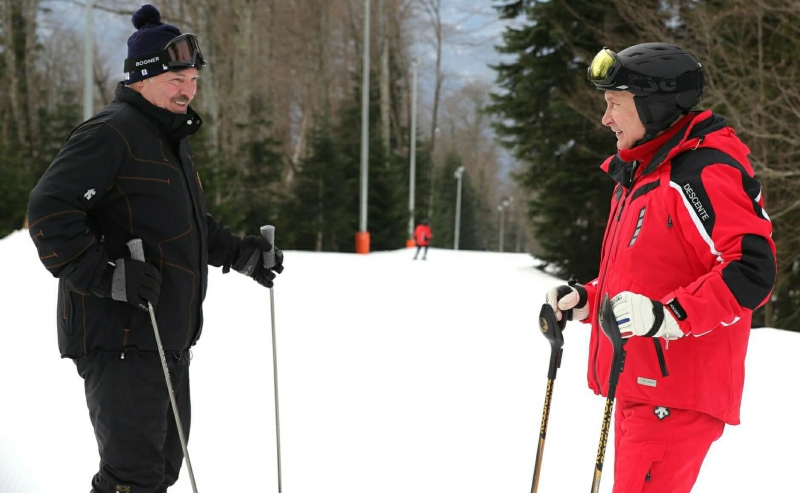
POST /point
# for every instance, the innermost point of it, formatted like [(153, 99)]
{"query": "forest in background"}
[(549, 115), (281, 105)]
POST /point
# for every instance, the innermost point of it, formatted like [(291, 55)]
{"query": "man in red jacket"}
[(422, 235), (687, 257)]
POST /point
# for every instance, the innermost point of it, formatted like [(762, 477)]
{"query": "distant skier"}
[(128, 173), (688, 255), (422, 236)]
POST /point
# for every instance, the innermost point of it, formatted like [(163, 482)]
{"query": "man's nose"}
[(606, 120)]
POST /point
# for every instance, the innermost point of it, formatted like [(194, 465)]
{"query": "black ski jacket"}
[(127, 173)]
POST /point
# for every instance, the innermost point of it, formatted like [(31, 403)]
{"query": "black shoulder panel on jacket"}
[(688, 177), (752, 277), (645, 189)]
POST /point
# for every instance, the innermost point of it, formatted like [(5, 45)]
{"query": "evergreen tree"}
[(241, 190), (561, 149), (422, 184), (14, 189), (445, 197), (320, 215), (387, 213)]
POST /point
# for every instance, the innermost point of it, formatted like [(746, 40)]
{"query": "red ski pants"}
[(660, 450)]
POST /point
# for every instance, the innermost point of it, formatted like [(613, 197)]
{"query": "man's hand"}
[(136, 282), (569, 301), (248, 260), (265, 276), (638, 315)]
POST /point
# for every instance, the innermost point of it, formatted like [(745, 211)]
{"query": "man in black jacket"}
[(128, 173)]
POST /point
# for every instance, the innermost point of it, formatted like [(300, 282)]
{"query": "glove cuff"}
[(103, 289), (677, 310), (658, 314), (583, 296)]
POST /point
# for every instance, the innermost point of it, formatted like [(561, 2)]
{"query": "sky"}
[(395, 376), (473, 31)]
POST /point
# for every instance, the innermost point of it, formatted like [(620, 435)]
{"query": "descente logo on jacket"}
[(695, 200)]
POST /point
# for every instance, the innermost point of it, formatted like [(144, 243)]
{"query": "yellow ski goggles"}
[(604, 68)]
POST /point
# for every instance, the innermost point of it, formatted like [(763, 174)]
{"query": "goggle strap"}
[(189, 37), (147, 60)]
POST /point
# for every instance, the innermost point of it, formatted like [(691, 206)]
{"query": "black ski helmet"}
[(666, 81)]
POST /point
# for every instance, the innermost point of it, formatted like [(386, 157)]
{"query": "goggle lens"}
[(601, 66), (184, 51)]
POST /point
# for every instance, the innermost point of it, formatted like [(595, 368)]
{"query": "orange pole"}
[(362, 242)]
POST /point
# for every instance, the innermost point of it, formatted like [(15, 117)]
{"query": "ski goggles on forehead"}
[(604, 68), (181, 53), (184, 52)]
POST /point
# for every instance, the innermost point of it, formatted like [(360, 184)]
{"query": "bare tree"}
[(383, 18), (31, 9), (15, 96), (432, 10)]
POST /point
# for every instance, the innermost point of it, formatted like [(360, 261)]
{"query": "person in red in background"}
[(422, 235), (687, 257)]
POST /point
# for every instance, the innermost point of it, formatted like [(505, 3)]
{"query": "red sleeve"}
[(719, 210)]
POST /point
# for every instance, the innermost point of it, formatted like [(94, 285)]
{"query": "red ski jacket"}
[(687, 223), (423, 235)]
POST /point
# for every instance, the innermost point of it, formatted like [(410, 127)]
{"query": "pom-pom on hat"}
[(151, 37)]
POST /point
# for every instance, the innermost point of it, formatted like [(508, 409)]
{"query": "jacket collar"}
[(650, 155), (174, 126)]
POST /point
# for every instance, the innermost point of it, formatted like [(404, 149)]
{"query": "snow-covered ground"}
[(395, 376)]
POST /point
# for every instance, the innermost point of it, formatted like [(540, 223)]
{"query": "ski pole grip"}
[(551, 330), (136, 248), (268, 232)]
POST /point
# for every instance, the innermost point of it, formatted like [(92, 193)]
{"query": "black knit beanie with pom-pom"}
[(150, 37)]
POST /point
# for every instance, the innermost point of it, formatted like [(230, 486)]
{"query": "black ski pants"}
[(140, 451)]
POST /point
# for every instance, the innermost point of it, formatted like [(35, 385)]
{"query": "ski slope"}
[(395, 376)]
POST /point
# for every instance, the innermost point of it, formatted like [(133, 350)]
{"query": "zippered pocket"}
[(651, 454), (662, 362), (65, 308)]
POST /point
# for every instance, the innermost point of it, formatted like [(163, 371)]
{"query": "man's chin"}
[(176, 108)]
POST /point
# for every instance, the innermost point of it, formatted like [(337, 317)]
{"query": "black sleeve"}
[(59, 206), (222, 242)]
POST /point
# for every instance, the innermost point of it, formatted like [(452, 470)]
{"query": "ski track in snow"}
[(394, 376)]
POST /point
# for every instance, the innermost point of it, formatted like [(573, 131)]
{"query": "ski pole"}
[(137, 253), (608, 323), (268, 232), (552, 331)]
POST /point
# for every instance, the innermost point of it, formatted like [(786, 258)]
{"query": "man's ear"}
[(137, 86)]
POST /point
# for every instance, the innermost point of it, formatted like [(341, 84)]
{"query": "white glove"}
[(571, 300), (638, 315)]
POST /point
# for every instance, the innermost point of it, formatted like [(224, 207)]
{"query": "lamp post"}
[(502, 207), (412, 175), (88, 63), (458, 174), (362, 237)]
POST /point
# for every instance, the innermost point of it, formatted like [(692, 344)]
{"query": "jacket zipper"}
[(611, 245), (64, 298), (189, 174)]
